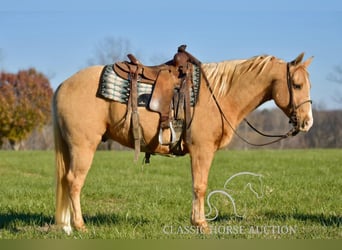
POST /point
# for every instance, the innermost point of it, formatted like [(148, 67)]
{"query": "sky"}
[(59, 37)]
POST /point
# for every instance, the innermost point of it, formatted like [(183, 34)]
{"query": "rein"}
[(293, 117)]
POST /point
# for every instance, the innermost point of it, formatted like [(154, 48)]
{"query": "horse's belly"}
[(120, 129)]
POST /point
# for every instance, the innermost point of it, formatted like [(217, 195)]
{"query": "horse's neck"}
[(246, 94)]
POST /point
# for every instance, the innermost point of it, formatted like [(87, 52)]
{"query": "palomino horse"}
[(230, 90)]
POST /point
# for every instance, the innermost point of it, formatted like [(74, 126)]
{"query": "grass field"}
[(122, 200)]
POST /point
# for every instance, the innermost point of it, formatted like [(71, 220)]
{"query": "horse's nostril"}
[(306, 124)]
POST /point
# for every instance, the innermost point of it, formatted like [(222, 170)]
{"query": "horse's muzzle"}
[(306, 124)]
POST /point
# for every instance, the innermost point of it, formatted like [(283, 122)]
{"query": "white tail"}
[(62, 161)]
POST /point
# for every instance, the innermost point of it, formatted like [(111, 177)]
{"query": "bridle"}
[(293, 113), (292, 105)]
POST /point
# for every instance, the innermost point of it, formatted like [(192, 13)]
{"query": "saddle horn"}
[(133, 59)]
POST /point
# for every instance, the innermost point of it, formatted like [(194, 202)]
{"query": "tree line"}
[(326, 132)]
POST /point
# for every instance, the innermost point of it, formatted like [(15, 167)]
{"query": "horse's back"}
[(81, 84)]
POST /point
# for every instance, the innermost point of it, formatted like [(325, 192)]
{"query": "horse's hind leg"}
[(80, 162)]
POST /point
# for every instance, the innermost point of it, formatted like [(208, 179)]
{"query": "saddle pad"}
[(115, 88)]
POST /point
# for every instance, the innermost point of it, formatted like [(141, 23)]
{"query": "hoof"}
[(79, 225), (67, 229), (202, 227), (81, 228)]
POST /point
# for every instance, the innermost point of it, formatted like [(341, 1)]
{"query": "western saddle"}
[(170, 96)]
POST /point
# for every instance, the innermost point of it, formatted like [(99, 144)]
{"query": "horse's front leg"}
[(200, 166)]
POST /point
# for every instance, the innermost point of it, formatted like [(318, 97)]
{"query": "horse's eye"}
[(297, 86)]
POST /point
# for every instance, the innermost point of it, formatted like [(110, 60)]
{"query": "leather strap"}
[(188, 82), (135, 115)]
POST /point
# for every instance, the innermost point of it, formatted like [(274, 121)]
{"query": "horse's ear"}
[(298, 59), (307, 62)]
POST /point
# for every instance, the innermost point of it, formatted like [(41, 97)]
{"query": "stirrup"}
[(173, 136)]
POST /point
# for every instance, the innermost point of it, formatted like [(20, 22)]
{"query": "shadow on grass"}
[(228, 217), (324, 220), (13, 221), (114, 219)]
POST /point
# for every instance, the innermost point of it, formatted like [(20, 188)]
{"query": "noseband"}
[(292, 105)]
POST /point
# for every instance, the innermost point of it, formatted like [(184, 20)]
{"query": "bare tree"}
[(1, 56), (336, 76), (110, 50)]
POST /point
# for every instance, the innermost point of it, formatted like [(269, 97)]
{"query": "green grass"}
[(123, 200)]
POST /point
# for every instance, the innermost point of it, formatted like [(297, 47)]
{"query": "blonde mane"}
[(220, 75)]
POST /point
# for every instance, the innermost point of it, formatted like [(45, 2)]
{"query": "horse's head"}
[(292, 94)]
